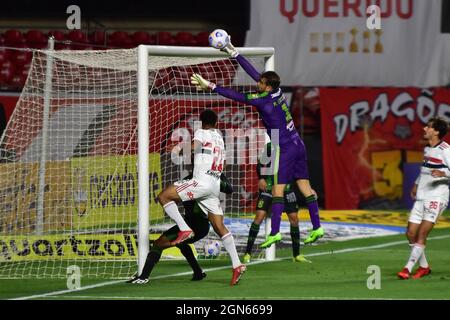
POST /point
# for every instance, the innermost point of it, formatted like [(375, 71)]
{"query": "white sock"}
[(172, 211), (228, 243), (422, 260), (416, 252)]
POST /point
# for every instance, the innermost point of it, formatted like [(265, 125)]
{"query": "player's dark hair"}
[(439, 125), (208, 117), (272, 79)]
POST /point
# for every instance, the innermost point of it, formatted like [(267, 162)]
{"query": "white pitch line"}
[(103, 284)]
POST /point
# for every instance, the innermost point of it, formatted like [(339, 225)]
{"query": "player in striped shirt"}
[(431, 192), (204, 187), (289, 158)]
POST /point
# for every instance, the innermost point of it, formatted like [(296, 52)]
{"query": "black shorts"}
[(290, 202), (265, 200), (195, 219)]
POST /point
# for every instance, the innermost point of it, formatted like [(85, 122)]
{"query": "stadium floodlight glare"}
[(88, 148)]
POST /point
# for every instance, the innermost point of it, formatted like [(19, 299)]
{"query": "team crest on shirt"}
[(190, 195)]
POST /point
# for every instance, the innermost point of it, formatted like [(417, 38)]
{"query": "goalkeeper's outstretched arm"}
[(249, 68), (203, 84), (245, 64), (230, 94)]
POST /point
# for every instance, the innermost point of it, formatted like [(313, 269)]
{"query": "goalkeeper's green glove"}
[(201, 83), (230, 49)]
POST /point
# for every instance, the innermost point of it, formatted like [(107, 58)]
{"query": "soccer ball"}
[(212, 248), (218, 38)]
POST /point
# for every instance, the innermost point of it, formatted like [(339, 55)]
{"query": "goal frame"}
[(144, 54)]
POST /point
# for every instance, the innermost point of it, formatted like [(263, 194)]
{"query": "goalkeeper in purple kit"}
[(289, 159)]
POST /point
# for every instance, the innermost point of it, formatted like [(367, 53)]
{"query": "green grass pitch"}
[(339, 270)]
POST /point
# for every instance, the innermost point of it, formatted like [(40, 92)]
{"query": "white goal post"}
[(143, 127), (90, 144)]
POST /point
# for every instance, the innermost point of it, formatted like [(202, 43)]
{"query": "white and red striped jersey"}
[(428, 187), (210, 159)]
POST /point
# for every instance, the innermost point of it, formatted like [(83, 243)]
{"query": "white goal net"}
[(68, 162)]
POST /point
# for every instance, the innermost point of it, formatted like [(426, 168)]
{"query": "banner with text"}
[(19, 193), (329, 43), (367, 135), (100, 247)]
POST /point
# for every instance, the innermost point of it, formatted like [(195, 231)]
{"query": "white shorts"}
[(428, 210), (204, 191)]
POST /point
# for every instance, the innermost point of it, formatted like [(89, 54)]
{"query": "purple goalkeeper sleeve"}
[(230, 94), (247, 66)]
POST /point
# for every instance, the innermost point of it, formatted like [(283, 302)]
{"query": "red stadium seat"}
[(26, 68), (60, 37), (119, 39), (78, 39), (77, 36), (24, 71), (36, 39), (202, 39), (6, 72), (141, 37), (17, 81), (184, 38), (7, 64), (4, 54), (21, 58), (164, 38), (13, 37), (127, 43), (98, 38), (13, 53)]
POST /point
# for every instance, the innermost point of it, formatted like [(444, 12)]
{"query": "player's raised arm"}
[(245, 64), (203, 84)]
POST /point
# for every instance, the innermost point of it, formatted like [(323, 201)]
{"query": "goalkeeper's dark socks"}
[(295, 237), (253, 233), (313, 209), (189, 255), (152, 259)]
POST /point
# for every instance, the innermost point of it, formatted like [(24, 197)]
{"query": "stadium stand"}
[(14, 64)]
